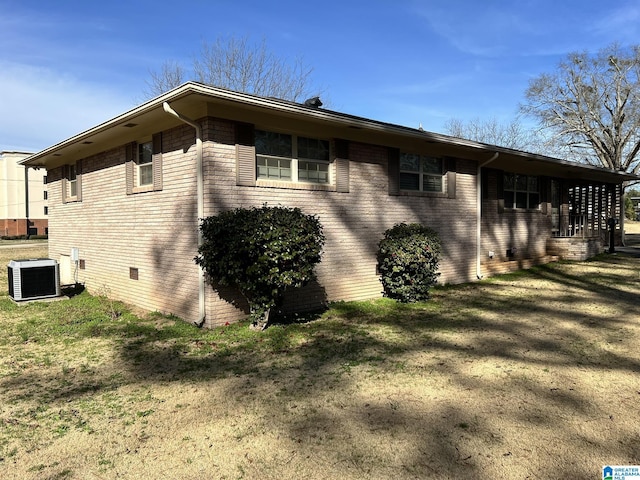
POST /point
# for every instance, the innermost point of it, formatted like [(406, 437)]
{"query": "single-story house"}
[(126, 196)]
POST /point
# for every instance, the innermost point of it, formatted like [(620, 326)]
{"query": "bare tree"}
[(170, 75), (240, 65), (591, 107), (511, 134)]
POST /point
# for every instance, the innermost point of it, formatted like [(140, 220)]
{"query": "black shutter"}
[(79, 181), (451, 176), (64, 183), (129, 161), (394, 171), (156, 161), (342, 165), (245, 155), (500, 188)]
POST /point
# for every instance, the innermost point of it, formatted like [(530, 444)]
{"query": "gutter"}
[(26, 198), (202, 314), (479, 213), (223, 96)]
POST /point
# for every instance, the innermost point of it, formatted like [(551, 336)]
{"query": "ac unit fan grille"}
[(33, 279)]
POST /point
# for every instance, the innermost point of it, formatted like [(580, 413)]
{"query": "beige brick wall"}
[(353, 222), (150, 231), (577, 249), (526, 231), (155, 232)]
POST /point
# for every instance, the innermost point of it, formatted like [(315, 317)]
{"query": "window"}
[(46, 210), (145, 164), (291, 158), (44, 179), (521, 191), (72, 181), (46, 195), (421, 173)]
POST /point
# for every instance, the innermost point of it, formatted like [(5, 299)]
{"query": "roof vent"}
[(313, 102)]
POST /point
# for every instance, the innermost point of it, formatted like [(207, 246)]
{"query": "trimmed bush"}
[(408, 257), (14, 237), (262, 252)]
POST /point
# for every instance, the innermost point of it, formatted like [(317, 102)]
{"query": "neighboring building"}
[(23, 200), (636, 207), (128, 195)]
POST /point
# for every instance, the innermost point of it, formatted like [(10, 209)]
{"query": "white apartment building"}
[(23, 197)]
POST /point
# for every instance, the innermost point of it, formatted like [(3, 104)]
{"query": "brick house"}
[(128, 193)]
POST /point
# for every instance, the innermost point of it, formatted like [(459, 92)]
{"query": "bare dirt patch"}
[(631, 227), (530, 375)]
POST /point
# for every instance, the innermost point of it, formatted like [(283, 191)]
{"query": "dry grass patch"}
[(530, 375)]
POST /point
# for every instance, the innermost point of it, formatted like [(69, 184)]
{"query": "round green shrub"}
[(262, 252), (408, 258)]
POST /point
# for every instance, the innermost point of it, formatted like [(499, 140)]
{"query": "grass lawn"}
[(529, 375)]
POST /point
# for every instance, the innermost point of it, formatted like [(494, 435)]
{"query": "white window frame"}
[(295, 161), (422, 173), (72, 181), (147, 166)]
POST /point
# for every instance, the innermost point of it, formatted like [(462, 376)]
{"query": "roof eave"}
[(281, 106)]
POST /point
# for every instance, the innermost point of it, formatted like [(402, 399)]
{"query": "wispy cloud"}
[(40, 107), (480, 29), (62, 74), (434, 85), (621, 22), (494, 28)]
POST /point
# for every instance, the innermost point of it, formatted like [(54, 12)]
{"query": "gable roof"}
[(197, 100)]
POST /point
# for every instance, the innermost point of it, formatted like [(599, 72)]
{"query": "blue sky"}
[(66, 66)]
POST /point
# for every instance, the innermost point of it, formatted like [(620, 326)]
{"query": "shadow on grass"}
[(351, 331), (72, 290), (306, 354)]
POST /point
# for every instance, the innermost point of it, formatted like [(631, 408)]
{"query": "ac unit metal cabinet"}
[(33, 279)]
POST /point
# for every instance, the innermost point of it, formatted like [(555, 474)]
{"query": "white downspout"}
[(200, 201), (479, 213), (623, 195)]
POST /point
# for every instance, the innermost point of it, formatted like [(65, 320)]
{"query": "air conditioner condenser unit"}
[(33, 279)]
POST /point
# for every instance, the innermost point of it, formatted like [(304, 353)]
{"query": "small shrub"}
[(408, 257), (14, 237), (262, 252)]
